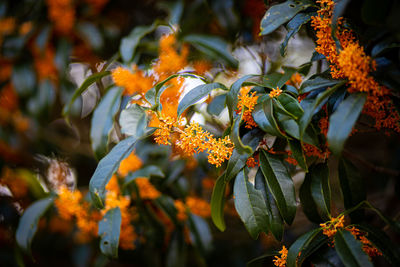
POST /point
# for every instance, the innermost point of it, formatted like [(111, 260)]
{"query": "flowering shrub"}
[(174, 136)]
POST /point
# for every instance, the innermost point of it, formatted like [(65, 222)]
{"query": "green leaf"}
[(196, 94), (23, 79), (291, 105), (317, 83), (311, 239), (34, 185), (317, 179), (147, 171), (275, 221), (262, 121), (312, 105), (212, 46), (353, 187), (268, 107), (89, 81), (217, 105), (298, 153), (232, 95), (293, 27), (235, 137), (102, 121), (133, 120), (109, 231), (287, 74), (291, 127), (341, 122), (350, 250), (106, 167), (271, 80), (91, 34), (28, 223), (258, 262), (280, 183), (217, 203), (129, 43), (282, 13), (250, 205), (201, 233)]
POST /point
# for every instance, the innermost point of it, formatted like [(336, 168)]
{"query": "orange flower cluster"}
[(193, 139), (146, 189), (275, 92), (252, 162), (331, 227), (290, 159), (247, 102), (62, 14), (194, 205), (136, 82), (202, 66), (281, 260), (70, 205), (165, 126), (366, 244), (44, 63), (130, 164), (353, 64), (312, 151), (295, 80), (114, 199)]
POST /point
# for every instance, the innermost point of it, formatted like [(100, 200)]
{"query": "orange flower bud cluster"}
[(295, 80), (247, 102), (136, 82), (275, 92), (331, 227), (251, 162), (62, 14), (146, 189), (281, 260), (194, 205), (366, 244), (130, 164)]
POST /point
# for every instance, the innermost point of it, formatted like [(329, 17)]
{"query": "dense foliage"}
[(174, 152)]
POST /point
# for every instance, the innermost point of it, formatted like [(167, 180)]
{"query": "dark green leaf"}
[(258, 262), (262, 121), (28, 223), (290, 104), (298, 153), (293, 27), (106, 167), (250, 205), (299, 246), (275, 221), (217, 203), (176, 255), (280, 183), (147, 171), (282, 13), (102, 121), (217, 105), (201, 232), (316, 83), (129, 43), (235, 137), (350, 250), (91, 34), (133, 120), (341, 122), (287, 74), (212, 46), (196, 94), (109, 231), (383, 46), (353, 187), (89, 81), (271, 80), (23, 79)]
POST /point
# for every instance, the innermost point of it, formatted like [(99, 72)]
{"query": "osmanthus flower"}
[(146, 188), (275, 92), (192, 204), (252, 162), (295, 80), (331, 227), (246, 103), (280, 261), (130, 164), (135, 81), (62, 14)]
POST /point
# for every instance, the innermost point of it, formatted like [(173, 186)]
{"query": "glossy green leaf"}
[(316, 83), (268, 107), (341, 122), (298, 153), (261, 119), (89, 81), (250, 205), (353, 187), (217, 105), (217, 203), (109, 231), (147, 171), (133, 120), (234, 91), (280, 183), (129, 43), (289, 105), (293, 27), (291, 127), (350, 250), (275, 221), (102, 121), (312, 105), (282, 13), (235, 137), (318, 180), (212, 46), (28, 223), (271, 80), (196, 94), (297, 249), (106, 167)]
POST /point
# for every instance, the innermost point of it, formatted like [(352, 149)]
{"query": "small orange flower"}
[(136, 82), (295, 80), (367, 246), (146, 189), (202, 66), (281, 260), (62, 14), (331, 227), (181, 208), (198, 206), (131, 164), (247, 102), (275, 92), (251, 162)]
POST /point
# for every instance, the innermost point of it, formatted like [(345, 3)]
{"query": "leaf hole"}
[(105, 243), (292, 5)]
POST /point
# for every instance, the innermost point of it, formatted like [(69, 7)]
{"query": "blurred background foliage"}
[(50, 47)]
